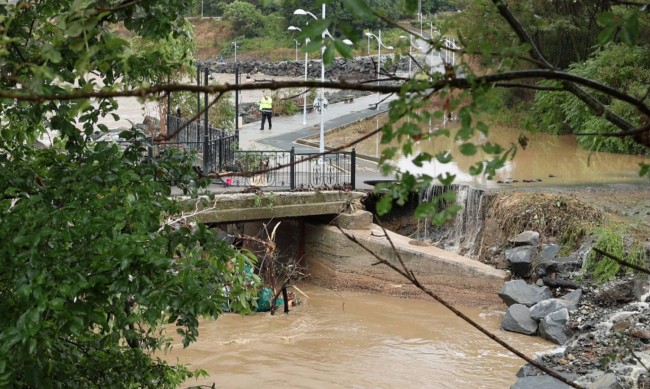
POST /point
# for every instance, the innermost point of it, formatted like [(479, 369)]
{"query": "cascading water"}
[(463, 235)]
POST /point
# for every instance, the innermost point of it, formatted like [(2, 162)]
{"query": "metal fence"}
[(291, 170), (217, 152), (215, 147)]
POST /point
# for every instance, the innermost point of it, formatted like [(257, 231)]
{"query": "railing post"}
[(169, 108), (292, 168), (149, 149), (206, 149), (237, 103), (353, 168)]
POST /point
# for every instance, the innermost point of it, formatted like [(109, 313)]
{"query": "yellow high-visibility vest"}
[(266, 104)]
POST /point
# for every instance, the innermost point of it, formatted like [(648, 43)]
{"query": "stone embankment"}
[(603, 330), (362, 68), (358, 69)]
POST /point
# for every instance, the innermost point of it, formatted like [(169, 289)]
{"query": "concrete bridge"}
[(309, 232)]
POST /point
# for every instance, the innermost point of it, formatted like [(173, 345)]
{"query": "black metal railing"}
[(215, 147), (217, 152), (291, 170)]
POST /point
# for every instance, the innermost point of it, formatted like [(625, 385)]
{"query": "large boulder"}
[(545, 307), (553, 327), (549, 252), (572, 299), (521, 259), (526, 238), (518, 320), (519, 292)]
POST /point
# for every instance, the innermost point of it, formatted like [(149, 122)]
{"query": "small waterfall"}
[(463, 235)]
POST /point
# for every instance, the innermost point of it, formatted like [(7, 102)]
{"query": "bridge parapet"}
[(236, 207)]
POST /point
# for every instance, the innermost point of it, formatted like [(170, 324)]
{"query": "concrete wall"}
[(334, 261)]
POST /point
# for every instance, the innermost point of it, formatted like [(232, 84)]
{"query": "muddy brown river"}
[(547, 161), (355, 340)]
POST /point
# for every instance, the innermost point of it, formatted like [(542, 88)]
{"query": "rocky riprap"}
[(602, 331)]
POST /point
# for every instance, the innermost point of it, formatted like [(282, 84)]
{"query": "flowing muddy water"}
[(547, 161), (355, 340)]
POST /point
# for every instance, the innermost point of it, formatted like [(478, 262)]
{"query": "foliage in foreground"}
[(91, 277), (93, 266)]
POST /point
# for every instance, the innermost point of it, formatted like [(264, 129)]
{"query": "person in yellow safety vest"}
[(266, 107)]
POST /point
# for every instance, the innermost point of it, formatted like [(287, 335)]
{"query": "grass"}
[(611, 240)]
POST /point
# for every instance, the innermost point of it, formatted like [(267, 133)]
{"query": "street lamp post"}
[(368, 36), (235, 44), (324, 34), (304, 103), (410, 38), (379, 45), (321, 147), (420, 15), (296, 49)]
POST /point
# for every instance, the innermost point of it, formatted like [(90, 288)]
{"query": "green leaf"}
[(358, 8), (476, 169), (467, 149), (630, 30), (328, 56), (444, 157), (343, 49), (447, 179)]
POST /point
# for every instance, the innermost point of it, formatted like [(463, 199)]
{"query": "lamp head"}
[(294, 28), (300, 12), (389, 47), (347, 42), (369, 35)]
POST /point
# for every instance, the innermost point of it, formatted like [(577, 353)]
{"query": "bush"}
[(246, 18)]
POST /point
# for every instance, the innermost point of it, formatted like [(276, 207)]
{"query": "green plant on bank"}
[(260, 200), (611, 240)]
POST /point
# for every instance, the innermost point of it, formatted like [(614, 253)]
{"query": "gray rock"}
[(545, 307), (553, 326), (521, 259), (526, 238), (527, 370), (572, 299), (549, 251), (518, 320), (519, 292), (568, 264), (539, 382), (607, 381)]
